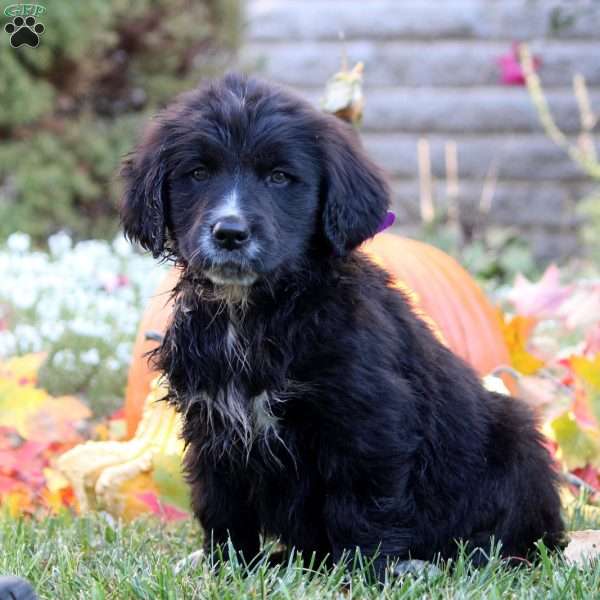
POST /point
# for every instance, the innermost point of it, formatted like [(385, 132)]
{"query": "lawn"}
[(94, 558), (81, 332)]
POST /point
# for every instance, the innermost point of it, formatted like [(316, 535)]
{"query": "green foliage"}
[(71, 108), (100, 380), (583, 153), (495, 256), (65, 181)]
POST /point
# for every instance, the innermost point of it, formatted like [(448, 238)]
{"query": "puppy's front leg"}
[(355, 526), (221, 505)]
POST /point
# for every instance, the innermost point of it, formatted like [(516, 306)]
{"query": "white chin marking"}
[(243, 280)]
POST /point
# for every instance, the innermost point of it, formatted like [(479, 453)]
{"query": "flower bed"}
[(68, 318), (79, 303)]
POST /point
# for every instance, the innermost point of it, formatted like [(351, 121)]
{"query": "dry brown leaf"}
[(583, 547)]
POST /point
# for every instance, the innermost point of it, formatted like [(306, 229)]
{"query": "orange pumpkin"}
[(140, 375), (468, 321), (446, 293)]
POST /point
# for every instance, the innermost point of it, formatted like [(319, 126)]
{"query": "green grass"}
[(88, 557)]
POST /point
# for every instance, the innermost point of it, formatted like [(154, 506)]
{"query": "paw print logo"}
[(24, 32)]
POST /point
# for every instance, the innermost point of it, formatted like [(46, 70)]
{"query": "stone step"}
[(308, 63), (525, 157), (522, 204), (414, 19), (456, 111), (546, 244)]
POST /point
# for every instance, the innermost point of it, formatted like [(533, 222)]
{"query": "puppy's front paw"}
[(415, 568), (191, 561)]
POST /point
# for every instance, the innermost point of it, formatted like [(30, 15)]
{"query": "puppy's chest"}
[(244, 393)]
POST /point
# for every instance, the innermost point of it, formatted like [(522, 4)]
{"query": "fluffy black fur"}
[(317, 407)]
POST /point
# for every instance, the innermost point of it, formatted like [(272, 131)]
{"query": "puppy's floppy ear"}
[(142, 207), (355, 193)]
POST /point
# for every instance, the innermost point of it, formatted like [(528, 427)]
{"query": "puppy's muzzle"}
[(230, 233)]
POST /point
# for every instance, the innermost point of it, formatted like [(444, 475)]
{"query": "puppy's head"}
[(241, 180)]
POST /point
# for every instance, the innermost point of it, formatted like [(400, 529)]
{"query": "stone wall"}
[(432, 71)]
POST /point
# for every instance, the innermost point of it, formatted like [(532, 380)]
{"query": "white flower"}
[(90, 357), (28, 338), (18, 242), (8, 344), (122, 247), (59, 243), (65, 359), (112, 364), (123, 352), (47, 294), (88, 328), (25, 299), (51, 329)]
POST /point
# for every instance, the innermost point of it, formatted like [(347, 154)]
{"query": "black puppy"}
[(317, 407)]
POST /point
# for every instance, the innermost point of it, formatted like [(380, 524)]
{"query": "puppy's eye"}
[(200, 173), (278, 178)]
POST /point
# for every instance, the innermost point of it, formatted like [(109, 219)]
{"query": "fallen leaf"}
[(517, 332), (18, 403), (588, 369), (589, 475), (581, 308), (7, 484), (578, 446), (583, 547), (58, 492), (18, 502), (127, 500), (541, 299), (546, 395), (161, 509), (168, 476), (37, 415), (583, 408), (587, 386), (22, 369), (343, 94)]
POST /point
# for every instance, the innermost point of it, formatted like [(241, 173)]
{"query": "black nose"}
[(230, 233)]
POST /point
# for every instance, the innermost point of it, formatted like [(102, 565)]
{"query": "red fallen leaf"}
[(511, 72), (26, 457), (7, 484), (588, 474), (118, 414), (22, 461), (56, 500), (57, 492), (568, 378), (9, 438), (165, 511)]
